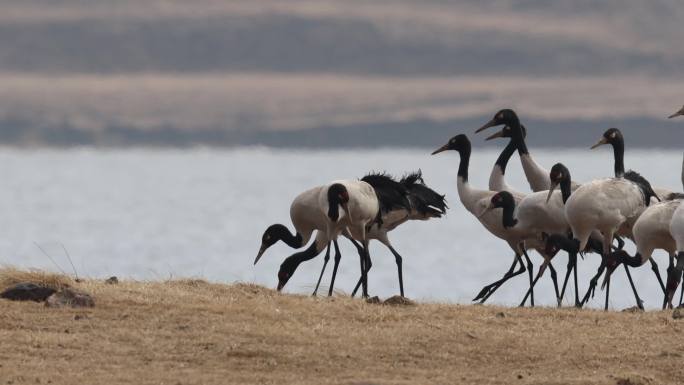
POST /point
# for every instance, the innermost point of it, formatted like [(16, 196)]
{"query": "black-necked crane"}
[(610, 206), (616, 140), (497, 182), (542, 213), (341, 206), (306, 216), (536, 175), (522, 221), (423, 204), (651, 231), (476, 202), (409, 199)]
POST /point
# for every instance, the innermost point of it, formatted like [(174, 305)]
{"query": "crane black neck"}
[(518, 136), (507, 219), (566, 189), (292, 262), (505, 156), (280, 232), (465, 161), (623, 257), (619, 155), (335, 194)]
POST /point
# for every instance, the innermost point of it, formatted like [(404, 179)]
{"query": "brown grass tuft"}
[(10, 276)]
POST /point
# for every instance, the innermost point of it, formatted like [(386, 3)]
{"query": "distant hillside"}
[(349, 72), (359, 37)]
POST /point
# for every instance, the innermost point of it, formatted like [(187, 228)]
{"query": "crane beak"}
[(600, 143), (490, 123), (261, 252), (678, 113), (551, 190), (496, 135), (441, 149)]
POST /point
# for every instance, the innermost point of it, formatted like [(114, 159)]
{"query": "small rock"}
[(69, 297), (112, 280), (634, 380), (374, 300), (398, 300), (678, 313), (27, 292), (500, 315), (633, 309)]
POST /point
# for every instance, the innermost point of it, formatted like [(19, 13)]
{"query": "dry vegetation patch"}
[(196, 332)]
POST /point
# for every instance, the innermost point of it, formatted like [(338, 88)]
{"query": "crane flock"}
[(559, 214)]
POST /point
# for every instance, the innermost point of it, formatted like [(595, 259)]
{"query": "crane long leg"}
[(594, 282), (542, 268), (667, 303), (360, 251), (656, 271), (366, 264), (574, 272), (496, 285), (360, 282), (325, 263), (365, 272), (572, 260), (362, 260), (338, 256), (485, 290), (674, 276), (530, 272), (607, 293), (639, 302), (554, 278), (399, 261)]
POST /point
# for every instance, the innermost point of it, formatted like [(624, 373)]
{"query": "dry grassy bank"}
[(194, 332)]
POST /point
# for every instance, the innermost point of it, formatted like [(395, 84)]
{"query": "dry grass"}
[(195, 332), (11, 276)]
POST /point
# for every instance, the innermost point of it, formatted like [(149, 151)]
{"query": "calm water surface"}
[(155, 214)]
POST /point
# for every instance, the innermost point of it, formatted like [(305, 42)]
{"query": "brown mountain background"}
[(336, 73)]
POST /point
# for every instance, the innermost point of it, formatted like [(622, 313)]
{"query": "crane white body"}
[(536, 175), (362, 209), (610, 206), (652, 229)]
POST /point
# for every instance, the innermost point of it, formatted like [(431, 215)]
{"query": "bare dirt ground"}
[(194, 332)]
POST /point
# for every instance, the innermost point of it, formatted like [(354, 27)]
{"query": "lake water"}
[(155, 214)]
